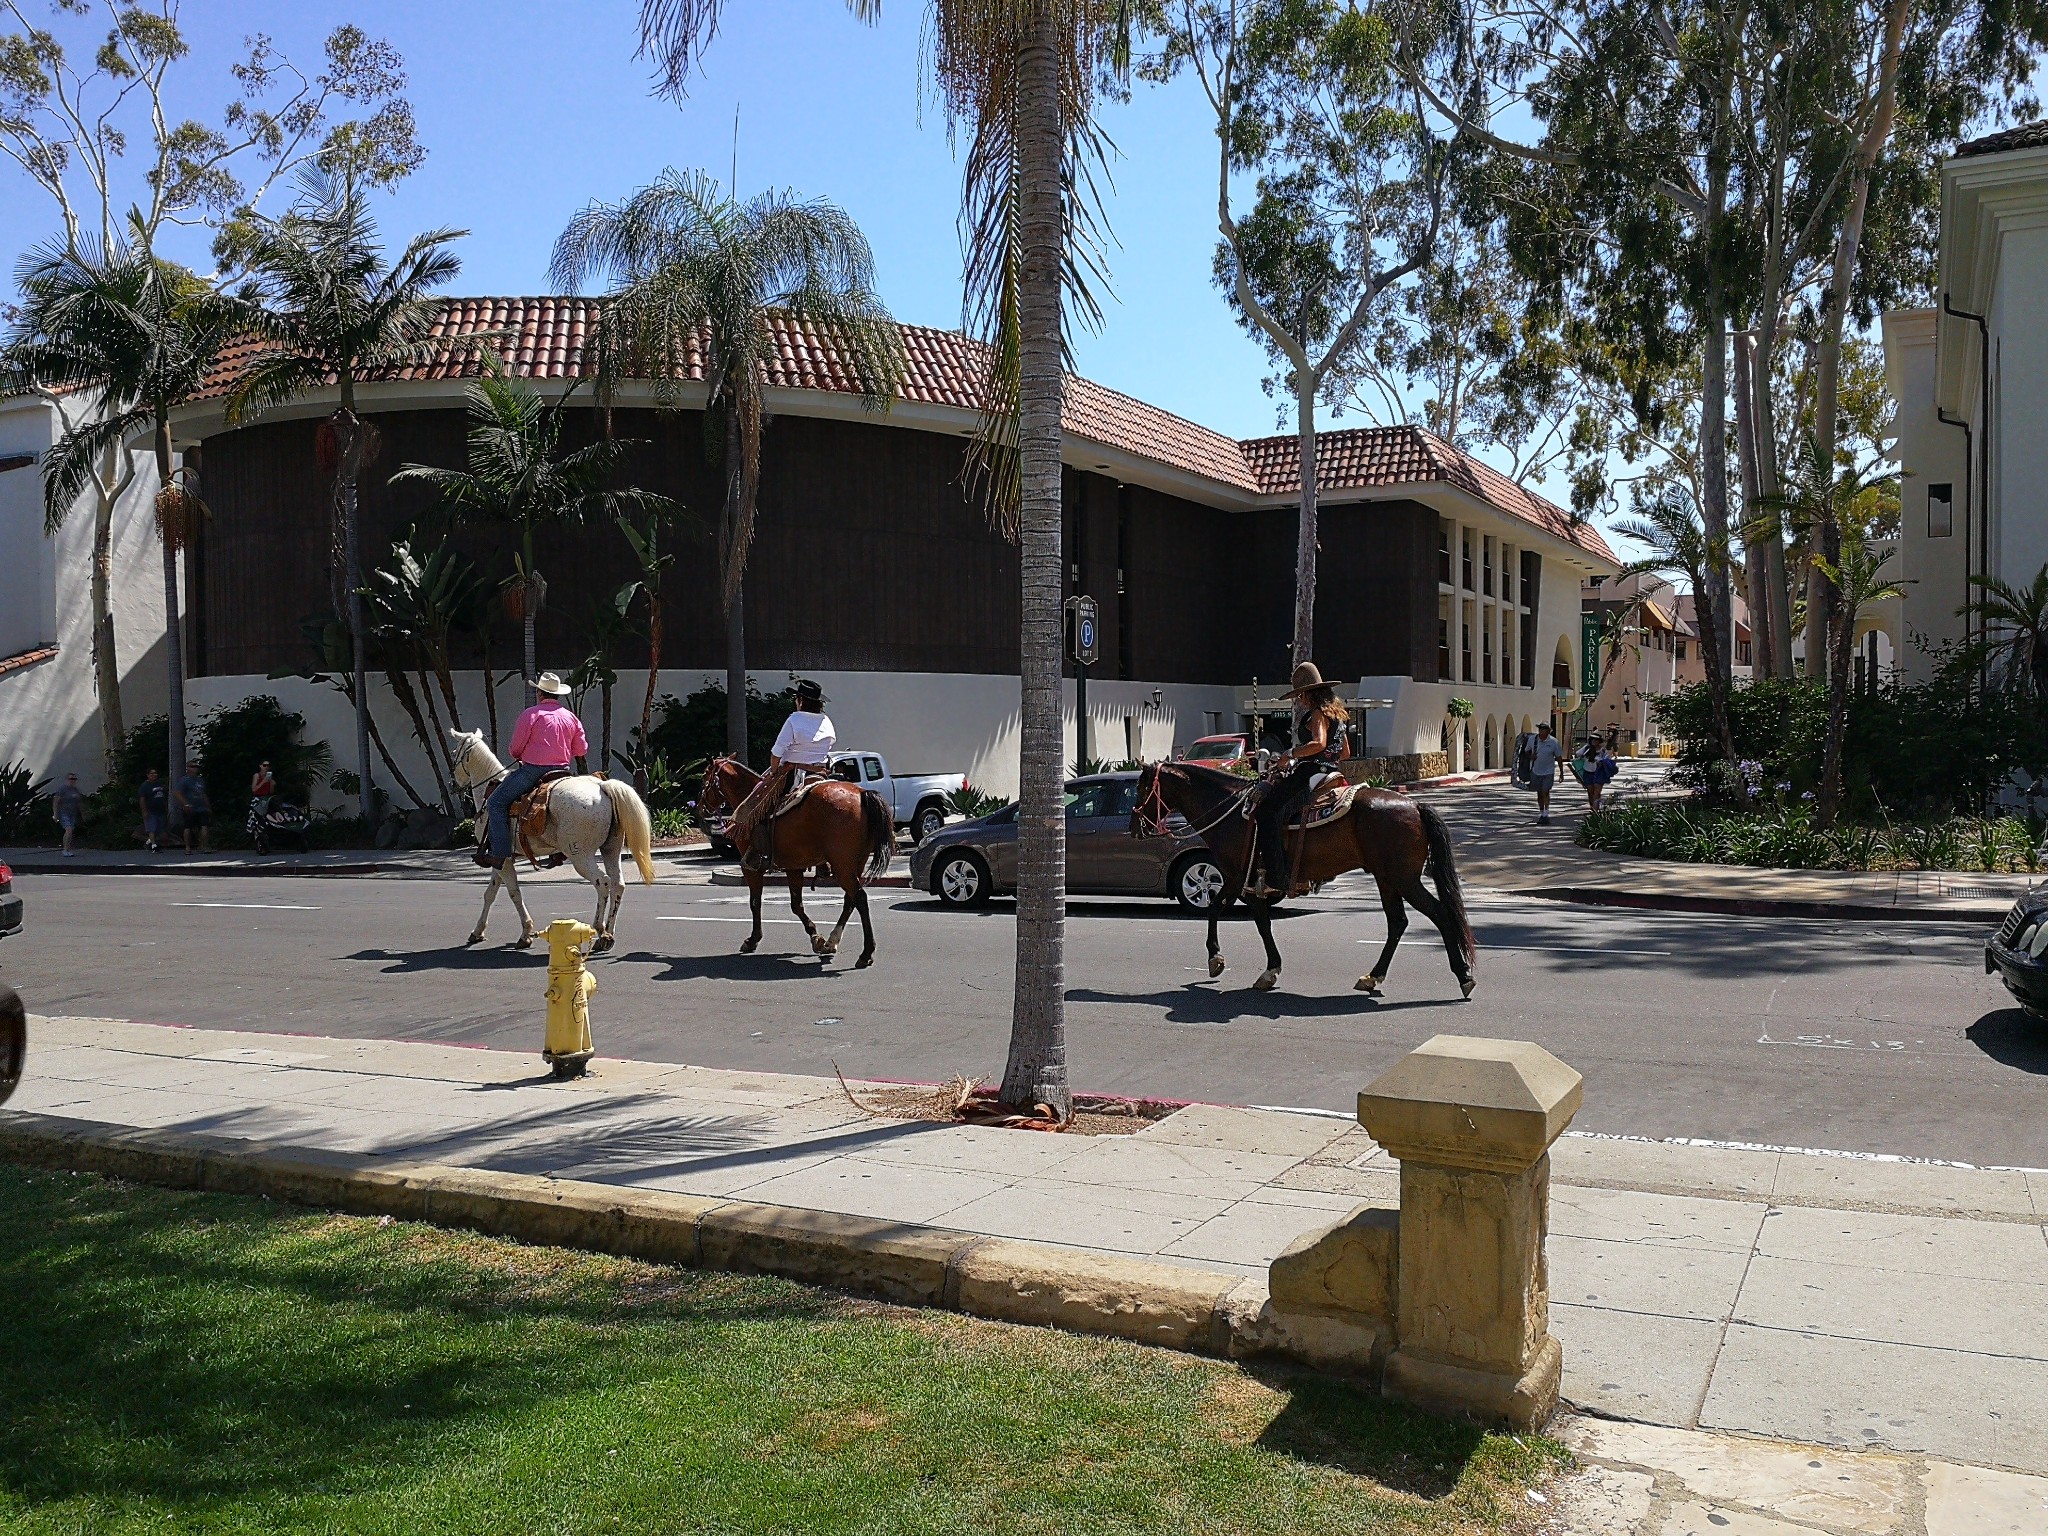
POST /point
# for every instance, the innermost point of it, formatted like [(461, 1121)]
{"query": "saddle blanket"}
[(1330, 801), (795, 795)]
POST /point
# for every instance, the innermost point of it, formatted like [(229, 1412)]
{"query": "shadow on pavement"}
[(2013, 1038), (787, 965), (456, 957), (1203, 1003)]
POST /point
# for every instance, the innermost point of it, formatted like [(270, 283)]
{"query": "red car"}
[(1217, 751), (10, 904)]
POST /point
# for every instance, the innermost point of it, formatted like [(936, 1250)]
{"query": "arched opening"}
[(1468, 753), (1490, 736)]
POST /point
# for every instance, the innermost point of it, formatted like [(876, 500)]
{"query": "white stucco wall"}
[(49, 713)]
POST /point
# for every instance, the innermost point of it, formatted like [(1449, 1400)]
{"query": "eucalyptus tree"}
[(1352, 183), (329, 310), (690, 265), (1021, 77), (521, 477), (90, 113), (1677, 541), (141, 335)]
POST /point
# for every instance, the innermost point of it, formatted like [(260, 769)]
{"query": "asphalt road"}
[(1884, 1038)]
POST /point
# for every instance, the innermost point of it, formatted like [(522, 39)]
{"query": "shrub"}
[(1784, 836), (972, 803), (690, 732), (232, 741), (21, 796)]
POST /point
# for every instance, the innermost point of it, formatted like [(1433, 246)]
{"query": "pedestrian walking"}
[(67, 805), (1598, 772), (1544, 756), (195, 811), (155, 805)]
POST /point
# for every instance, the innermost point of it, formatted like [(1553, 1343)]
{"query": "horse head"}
[(473, 762), (723, 787), (1150, 810)]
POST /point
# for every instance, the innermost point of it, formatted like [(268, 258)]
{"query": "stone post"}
[(1472, 1122)]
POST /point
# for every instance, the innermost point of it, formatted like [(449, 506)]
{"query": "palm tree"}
[(688, 264), (1679, 543), (333, 311), (520, 476), (1020, 76), (643, 537), (143, 335), (2014, 621)]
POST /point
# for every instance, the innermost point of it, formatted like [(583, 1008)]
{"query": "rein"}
[(1234, 805)]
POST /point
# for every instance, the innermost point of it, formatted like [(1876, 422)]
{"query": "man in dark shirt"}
[(195, 811), (154, 805)]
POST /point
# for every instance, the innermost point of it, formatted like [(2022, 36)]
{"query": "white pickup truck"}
[(916, 800)]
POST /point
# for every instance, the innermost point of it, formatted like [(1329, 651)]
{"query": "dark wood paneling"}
[(1376, 591)]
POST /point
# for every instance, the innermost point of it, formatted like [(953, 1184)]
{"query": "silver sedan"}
[(971, 861)]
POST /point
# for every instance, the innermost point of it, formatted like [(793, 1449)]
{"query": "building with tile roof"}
[(874, 568)]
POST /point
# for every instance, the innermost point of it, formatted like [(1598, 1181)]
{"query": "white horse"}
[(588, 818)]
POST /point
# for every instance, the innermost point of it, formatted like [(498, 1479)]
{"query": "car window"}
[(874, 766), (847, 769), (1122, 799), (1086, 800)]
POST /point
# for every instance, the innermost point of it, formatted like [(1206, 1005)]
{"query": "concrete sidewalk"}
[(1843, 1301), (409, 864), (1500, 847)]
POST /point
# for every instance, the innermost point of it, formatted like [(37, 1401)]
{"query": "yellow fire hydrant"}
[(567, 1049)]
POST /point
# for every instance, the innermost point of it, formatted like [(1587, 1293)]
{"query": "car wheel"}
[(960, 880), (1197, 882), (930, 820)]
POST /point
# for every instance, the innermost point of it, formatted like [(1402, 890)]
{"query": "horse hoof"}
[(524, 943), (1215, 965), (474, 938), (1267, 981), (748, 946), (818, 945), (603, 942), (1368, 984), (863, 962), (1466, 984)]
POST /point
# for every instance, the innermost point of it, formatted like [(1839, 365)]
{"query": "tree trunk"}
[(1305, 534), (736, 677), (490, 687), (408, 700), (174, 639), (1835, 633), (1770, 489), (1036, 1071), (106, 665), (1755, 559), (653, 671), (604, 735), (348, 432), (1714, 472)]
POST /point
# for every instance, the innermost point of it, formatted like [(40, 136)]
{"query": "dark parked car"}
[(2018, 952), (10, 904), (967, 863)]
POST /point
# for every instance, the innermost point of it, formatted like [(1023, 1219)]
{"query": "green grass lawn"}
[(197, 1362)]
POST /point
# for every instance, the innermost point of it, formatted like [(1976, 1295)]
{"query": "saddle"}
[(530, 810), (1329, 799)]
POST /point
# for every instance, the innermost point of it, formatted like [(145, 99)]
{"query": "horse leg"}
[(796, 905), (1420, 898), (490, 895), (1221, 905), (526, 928), (857, 897), (1262, 919), (849, 882), (752, 941), (614, 871), (588, 867), (1397, 924)]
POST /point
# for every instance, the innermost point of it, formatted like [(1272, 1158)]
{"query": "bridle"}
[(473, 787), (1149, 819)]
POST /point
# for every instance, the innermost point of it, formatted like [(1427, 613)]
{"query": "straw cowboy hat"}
[(1306, 680), (550, 683)]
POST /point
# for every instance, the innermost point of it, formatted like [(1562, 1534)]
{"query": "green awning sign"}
[(1589, 655)]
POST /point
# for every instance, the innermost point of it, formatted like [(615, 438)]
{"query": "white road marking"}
[(665, 917), (246, 906)]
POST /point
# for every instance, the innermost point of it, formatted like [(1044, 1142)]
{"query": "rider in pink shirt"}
[(547, 737)]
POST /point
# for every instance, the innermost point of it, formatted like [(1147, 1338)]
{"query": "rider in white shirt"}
[(803, 746)]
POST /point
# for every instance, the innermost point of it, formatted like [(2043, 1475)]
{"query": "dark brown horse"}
[(1389, 836), (840, 825)]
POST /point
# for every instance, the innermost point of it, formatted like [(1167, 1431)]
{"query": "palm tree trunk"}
[(106, 666), (736, 676), (526, 621), (653, 671), (170, 524), (1036, 1071), (490, 687)]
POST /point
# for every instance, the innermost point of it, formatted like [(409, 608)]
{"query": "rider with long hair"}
[(1319, 749)]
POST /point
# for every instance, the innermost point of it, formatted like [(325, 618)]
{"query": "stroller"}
[(272, 820)]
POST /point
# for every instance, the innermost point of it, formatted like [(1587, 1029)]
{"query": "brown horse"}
[(1389, 836), (838, 824)]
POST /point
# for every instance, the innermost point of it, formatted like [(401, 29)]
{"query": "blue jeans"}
[(499, 807)]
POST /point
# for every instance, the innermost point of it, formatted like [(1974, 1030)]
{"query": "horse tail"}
[(881, 834), (1444, 871), (634, 825)]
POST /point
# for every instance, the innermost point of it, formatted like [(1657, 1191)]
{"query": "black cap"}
[(808, 691)]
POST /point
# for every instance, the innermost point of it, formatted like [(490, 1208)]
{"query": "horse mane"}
[(1212, 778)]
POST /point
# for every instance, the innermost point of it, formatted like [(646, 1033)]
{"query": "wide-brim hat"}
[(1307, 679), (550, 683), (805, 688)]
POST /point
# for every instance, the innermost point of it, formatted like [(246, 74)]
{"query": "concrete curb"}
[(283, 866), (1198, 1311), (1764, 906)]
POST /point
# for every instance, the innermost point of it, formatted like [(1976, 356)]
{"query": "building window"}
[(1681, 650), (1465, 560), (1443, 553), (1528, 650), (1941, 511), (1486, 566), (1486, 651), (1443, 647), (1507, 574)]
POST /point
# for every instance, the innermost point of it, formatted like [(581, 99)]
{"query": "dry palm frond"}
[(178, 512)]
